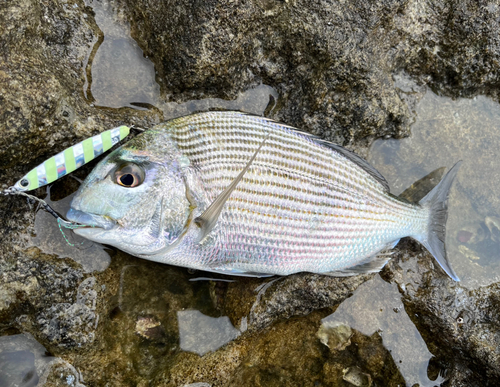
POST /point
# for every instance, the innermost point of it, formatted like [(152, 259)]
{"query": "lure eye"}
[(129, 175), (24, 183)]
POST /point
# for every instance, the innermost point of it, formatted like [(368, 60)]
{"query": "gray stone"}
[(459, 325), (71, 325)]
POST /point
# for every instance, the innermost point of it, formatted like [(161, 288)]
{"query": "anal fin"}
[(239, 273), (371, 265)]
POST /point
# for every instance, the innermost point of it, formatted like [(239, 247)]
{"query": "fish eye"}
[(129, 175)]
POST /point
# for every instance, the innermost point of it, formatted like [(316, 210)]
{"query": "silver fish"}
[(238, 194)]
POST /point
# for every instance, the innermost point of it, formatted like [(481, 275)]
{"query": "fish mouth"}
[(90, 221)]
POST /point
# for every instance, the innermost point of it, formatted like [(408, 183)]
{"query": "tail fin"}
[(437, 201)]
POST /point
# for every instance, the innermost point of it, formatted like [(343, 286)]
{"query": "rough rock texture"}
[(331, 62), (328, 61), (461, 327), (61, 374), (43, 51), (333, 66), (72, 325), (288, 354), (284, 297), (26, 284)]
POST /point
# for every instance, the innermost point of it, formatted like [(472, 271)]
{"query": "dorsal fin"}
[(363, 164)]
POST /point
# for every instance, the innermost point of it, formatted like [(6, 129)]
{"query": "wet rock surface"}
[(460, 326), (260, 305), (42, 71), (332, 63), (333, 66)]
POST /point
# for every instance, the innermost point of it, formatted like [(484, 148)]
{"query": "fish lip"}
[(90, 220)]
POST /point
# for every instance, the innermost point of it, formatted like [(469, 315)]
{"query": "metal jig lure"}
[(66, 162), (71, 159)]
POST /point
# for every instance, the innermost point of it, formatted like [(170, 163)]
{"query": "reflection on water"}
[(254, 100), (24, 363), (201, 334), (444, 132), (119, 75), (376, 307)]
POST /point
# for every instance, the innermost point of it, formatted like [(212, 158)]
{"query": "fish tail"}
[(437, 201)]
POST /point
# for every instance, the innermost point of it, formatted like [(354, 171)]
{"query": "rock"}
[(354, 376), (149, 328), (24, 362), (286, 354), (34, 282), (61, 374), (460, 326), (42, 72), (283, 297), (327, 61), (71, 325), (335, 335), (332, 63)]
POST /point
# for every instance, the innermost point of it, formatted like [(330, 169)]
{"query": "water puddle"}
[(24, 363), (376, 307), (444, 132), (118, 74), (159, 313), (256, 100), (202, 334)]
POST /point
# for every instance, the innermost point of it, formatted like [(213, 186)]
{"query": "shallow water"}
[(50, 238), (201, 334), (444, 131), (24, 362), (117, 73), (376, 307)]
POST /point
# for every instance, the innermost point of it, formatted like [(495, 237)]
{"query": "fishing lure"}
[(66, 162), (71, 159)]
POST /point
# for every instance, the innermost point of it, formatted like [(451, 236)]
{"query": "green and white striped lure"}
[(71, 159)]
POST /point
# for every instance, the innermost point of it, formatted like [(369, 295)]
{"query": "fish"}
[(239, 194)]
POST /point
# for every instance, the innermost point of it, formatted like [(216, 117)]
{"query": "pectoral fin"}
[(208, 219)]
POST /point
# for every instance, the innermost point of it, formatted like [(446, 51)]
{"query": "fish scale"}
[(270, 206), (239, 194)]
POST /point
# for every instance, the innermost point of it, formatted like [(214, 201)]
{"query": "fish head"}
[(135, 198)]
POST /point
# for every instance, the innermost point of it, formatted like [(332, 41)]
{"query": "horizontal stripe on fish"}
[(344, 177), (240, 194)]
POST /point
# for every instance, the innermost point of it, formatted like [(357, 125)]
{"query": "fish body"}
[(239, 194)]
